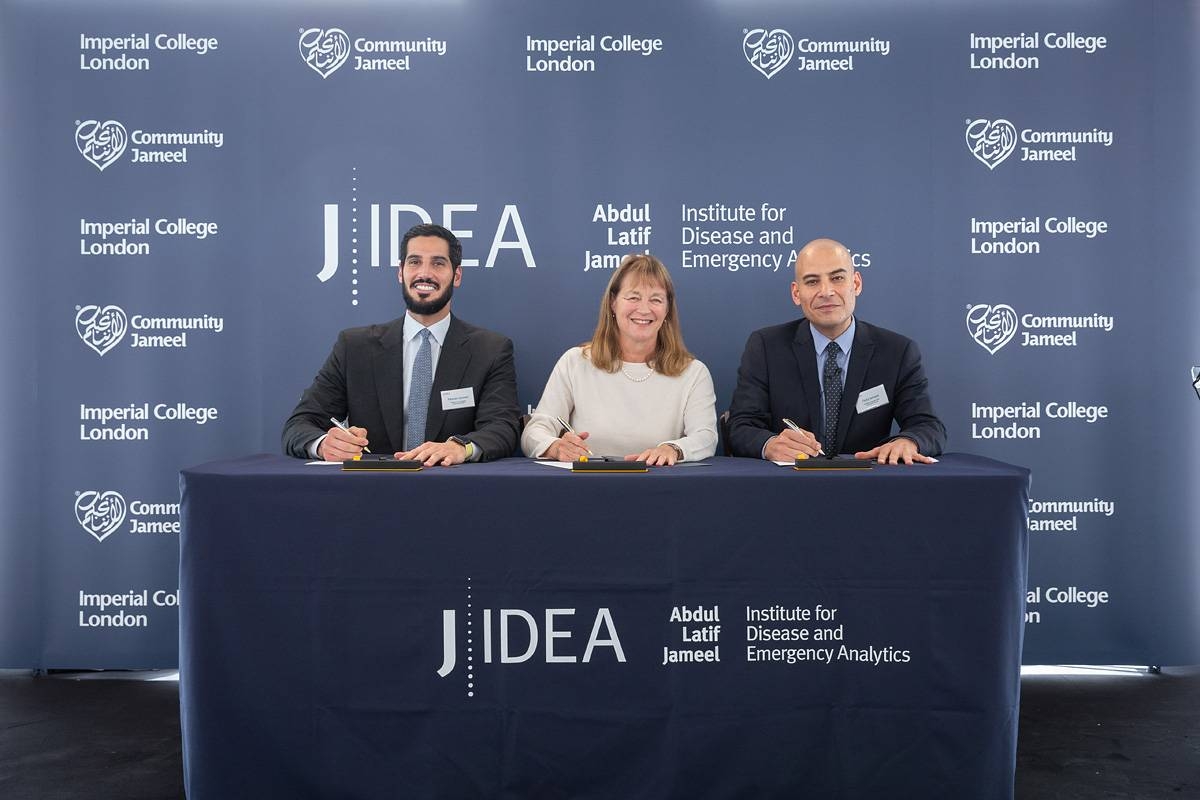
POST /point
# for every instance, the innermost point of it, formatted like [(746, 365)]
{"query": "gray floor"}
[(1091, 736), (1097, 737), (81, 735)]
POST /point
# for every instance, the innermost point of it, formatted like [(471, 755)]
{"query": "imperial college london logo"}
[(992, 327), (101, 329), (325, 50), (100, 143), (100, 513), (768, 51), (991, 141)]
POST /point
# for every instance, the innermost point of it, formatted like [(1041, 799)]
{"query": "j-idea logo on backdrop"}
[(1196, 380), (991, 140), (100, 143), (101, 329), (768, 51), (384, 225), (324, 50), (100, 513), (992, 326)]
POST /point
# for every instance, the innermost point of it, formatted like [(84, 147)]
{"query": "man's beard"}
[(425, 307)]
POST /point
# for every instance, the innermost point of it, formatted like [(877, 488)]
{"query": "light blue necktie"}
[(418, 394)]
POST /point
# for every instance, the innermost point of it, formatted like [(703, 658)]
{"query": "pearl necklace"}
[(645, 377)]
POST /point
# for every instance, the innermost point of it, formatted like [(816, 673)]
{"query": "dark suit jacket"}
[(778, 378), (364, 378)]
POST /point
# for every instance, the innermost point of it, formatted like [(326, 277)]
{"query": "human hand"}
[(662, 456), (787, 444), (343, 444), (898, 450), (435, 454), (568, 447)]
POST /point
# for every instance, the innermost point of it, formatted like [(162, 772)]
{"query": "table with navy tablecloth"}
[(513, 630)]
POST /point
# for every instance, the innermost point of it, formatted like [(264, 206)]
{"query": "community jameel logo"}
[(100, 143), (992, 326), (101, 329), (768, 51), (991, 141), (325, 50), (100, 513), (1196, 380)]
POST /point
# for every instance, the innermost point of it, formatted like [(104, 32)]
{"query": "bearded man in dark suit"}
[(427, 387)]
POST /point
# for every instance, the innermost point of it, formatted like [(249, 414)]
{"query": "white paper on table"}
[(559, 464)]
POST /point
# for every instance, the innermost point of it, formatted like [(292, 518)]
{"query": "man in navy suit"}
[(427, 386), (839, 380)]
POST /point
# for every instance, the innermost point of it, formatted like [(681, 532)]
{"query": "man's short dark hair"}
[(439, 232)]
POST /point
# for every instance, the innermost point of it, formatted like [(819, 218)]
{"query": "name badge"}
[(871, 398), (460, 398)]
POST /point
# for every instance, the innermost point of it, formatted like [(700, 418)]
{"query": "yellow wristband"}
[(467, 445)]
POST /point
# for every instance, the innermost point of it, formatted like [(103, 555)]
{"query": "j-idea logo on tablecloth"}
[(504, 631), (324, 50), (99, 513), (101, 329), (991, 141), (100, 143), (992, 326), (768, 51)]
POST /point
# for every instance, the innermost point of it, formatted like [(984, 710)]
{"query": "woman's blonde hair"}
[(670, 357)]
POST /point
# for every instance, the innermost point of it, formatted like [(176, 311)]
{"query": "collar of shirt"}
[(438, 329)]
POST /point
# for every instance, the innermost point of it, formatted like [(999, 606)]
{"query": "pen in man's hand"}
[(566, 426), (798, 429), (346, 428)]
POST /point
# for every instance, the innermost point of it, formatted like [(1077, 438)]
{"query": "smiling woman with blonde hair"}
[(634, 390)]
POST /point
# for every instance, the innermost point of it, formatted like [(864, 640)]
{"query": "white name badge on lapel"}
[(459, 398), (871, 398)]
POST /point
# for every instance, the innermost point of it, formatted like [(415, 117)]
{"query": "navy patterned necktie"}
[(833, 397), (418, 393)]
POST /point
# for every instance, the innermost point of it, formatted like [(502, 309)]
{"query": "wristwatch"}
[(467, 443)]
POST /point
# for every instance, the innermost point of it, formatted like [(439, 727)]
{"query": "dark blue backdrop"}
[(910, 157)]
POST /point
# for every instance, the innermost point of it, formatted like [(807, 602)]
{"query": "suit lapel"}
[(452, 365), (388, 367), (856, 372), (810, 385)]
